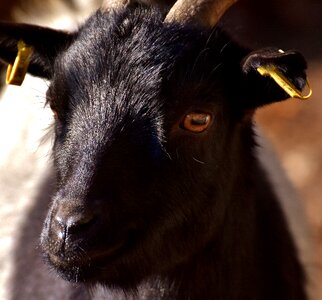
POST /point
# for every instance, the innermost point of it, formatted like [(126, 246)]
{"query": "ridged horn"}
[(204, 12), (109, 5), (118, 4)]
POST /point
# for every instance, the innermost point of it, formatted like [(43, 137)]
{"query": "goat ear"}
[(45, 42), (260, 90)]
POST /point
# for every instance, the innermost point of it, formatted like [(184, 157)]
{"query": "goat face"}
[(152, 129), (130, 177)]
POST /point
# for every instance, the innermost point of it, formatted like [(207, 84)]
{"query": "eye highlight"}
[(196, 122)]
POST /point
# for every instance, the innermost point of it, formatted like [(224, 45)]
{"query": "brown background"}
[(294, 126)]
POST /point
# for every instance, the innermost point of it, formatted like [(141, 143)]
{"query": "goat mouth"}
[(86, 267), (84, 259)]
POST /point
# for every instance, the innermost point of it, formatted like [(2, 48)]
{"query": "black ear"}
[(46, 44), (258, 90)]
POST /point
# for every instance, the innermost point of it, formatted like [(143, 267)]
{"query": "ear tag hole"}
[(16, 73), (284, 82)]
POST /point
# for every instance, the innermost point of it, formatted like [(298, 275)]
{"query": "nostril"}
[(77, 224), (72, 224)]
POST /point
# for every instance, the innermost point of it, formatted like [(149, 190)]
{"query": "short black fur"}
[(142, 204)]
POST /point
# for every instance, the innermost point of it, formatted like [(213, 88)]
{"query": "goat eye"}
[(196, 122)]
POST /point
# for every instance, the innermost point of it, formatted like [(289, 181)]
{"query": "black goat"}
[(159, 193)]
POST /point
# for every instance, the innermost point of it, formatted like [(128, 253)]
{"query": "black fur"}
[(141, 204)]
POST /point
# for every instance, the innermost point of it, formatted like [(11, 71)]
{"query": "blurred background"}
[(294, 127)]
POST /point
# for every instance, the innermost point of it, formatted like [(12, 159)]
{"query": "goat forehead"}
[(116, 67), (103, 46), (104, 65), (128, 50)]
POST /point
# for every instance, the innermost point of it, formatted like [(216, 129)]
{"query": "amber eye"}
[(196, 122)]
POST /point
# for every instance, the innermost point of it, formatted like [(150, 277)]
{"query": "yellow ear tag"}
[(284, 82), (16, 73)]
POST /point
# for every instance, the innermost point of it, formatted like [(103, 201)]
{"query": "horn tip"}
[(109, 5)]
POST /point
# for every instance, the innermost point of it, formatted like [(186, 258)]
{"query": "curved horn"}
[(118, 4), (114, 4), (205, 12)]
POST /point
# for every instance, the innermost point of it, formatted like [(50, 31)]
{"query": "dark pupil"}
[(199, 120)]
